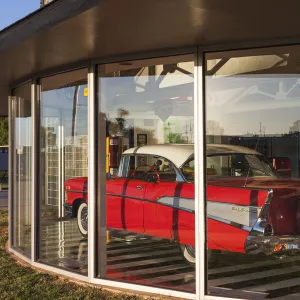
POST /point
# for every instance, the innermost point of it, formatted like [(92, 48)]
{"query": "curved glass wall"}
[(145, 205), (253, 171), (63, 155), (21, 151)]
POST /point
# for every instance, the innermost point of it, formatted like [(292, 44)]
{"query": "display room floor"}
[(159, 262), (63, 246), (263, 277), (132, 258)]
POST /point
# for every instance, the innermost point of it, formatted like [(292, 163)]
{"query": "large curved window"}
[(253, 173), (21, 151), (63, 155), (146, 135)]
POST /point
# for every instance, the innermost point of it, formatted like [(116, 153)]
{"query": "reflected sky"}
[(253, 104)]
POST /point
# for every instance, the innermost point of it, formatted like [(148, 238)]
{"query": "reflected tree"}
[(3, 131), (214, 128), (295, 128), (120, 127), (177, 138)]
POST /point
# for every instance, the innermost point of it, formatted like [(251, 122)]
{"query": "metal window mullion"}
[(34, 170), (18, 201), (10, 172), (59, 171), (199, 176), (91, 171), (14, 171), (62, 171), (102, 144)]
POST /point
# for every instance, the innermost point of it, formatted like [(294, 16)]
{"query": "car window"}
[(149, 168), (188, 170), (238, 165)]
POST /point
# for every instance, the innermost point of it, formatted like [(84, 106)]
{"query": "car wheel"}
[(82, 219), (188, 253)]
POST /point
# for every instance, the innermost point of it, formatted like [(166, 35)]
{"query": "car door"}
[(132, 213), (169, 211), (125, 204)]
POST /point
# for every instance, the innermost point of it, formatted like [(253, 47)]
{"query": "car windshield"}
[(239, 165), (232, 165)]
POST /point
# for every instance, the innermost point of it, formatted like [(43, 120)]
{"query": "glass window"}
[(147, 142), (21, 149), (64, 171), (253, 171)]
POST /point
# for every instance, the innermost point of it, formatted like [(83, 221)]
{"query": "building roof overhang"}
[(67, 32)]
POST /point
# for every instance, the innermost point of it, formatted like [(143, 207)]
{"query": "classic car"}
[(250, 208)]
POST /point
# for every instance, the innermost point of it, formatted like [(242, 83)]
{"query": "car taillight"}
[(278, 248), (268, 229)]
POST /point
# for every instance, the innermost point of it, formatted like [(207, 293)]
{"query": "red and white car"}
[(250, 208)]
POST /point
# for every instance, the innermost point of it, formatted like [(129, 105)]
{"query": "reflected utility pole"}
[(75, 108)]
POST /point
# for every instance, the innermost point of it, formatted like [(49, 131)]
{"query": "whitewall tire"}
[(188, 253), (82, 219)]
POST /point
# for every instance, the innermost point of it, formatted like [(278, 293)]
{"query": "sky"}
[(14, 10)]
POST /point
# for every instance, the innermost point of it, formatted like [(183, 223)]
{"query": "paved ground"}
[(3, 199)]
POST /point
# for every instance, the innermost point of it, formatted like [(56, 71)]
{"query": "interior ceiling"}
[(69, 31)]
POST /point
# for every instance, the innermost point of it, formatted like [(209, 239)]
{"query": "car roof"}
[(178, 154)]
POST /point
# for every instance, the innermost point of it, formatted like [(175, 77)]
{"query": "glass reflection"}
[(64, 156), (252, 109), (147, 109), (22, 141)]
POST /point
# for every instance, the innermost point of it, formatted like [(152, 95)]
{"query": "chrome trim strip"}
[(238, 187), (155, 201), (230, 223), (187, 204), (235, 204), (174, 197), (259, 226), (258, 241), (77, 192), (130, 197), (266, 207)]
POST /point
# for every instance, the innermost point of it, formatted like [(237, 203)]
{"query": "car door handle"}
[(139, 187)]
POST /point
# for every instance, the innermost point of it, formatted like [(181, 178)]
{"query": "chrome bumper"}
[(272, 244)]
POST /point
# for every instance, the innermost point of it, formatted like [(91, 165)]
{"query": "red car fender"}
[(183, 234)]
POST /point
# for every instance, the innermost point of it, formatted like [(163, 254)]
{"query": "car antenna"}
[(249, 164)]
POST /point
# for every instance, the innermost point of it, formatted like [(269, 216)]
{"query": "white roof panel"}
[(179, 153)]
